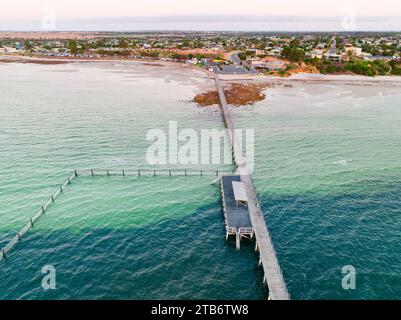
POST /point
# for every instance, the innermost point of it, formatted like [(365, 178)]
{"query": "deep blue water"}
[(185, 259), (316, 236)]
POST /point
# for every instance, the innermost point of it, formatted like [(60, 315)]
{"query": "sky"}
[(205, 14)]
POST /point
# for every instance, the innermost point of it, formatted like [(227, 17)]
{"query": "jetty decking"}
[(273, 276), (237, 219)]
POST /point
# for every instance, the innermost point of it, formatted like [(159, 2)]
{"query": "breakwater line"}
[(102, 173), (34, 219)]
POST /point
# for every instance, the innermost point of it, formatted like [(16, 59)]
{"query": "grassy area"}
[(368, 68), (358, 66)]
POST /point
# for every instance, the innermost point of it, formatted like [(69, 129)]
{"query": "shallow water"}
[(327, 169)]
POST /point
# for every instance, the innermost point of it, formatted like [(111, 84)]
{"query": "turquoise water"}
[(327, 169)]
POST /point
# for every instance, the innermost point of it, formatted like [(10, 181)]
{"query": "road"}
[(234, 58), (239, 64), (333, 48)]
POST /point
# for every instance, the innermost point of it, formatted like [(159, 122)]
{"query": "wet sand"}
[(33, 61), (318, 78), (168, 70)]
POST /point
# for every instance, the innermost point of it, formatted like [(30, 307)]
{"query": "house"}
[(356, 51), (274, 65), (8, 50), (378, 57), (193, 61), (276, 51), (255, 62), (333, 57), (267, 63), (317, 53), (19, 46)]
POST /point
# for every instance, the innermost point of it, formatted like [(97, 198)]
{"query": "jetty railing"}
[(103, 172)]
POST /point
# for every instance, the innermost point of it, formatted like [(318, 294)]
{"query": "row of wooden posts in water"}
[(97, 172)]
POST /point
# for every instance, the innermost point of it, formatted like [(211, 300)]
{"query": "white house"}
[(317, 53), (8, 50), (356, 51)]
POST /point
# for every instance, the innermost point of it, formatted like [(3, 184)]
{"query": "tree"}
[(362, 67), (99, 44), (28, 46), (395, 68), (293, 53), (72, 46), (178, 56), (83, 47), (186, 43), (295, 43), (122, 43), (242, 56)]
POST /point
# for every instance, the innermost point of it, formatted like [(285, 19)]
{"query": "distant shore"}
[(60, 60), (309, 77)]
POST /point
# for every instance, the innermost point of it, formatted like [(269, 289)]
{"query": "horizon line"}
[(201, 31), (210, 23)]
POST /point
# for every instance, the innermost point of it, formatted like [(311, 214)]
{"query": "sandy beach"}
[(318, 78), (172, 71), (242, 89), (233, 78)]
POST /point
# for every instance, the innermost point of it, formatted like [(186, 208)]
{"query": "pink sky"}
[(71, 9)]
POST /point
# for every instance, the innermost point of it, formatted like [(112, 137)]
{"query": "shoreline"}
[(59, 60), (309, 77), (153, 64), (202, 79), (315, 78)]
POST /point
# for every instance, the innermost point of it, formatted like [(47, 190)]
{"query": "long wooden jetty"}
[(273, 276)]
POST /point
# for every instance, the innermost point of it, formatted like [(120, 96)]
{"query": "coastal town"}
[(368, 54), (200, 160)]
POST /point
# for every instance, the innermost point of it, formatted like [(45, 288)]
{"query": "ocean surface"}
[(327, 168)]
